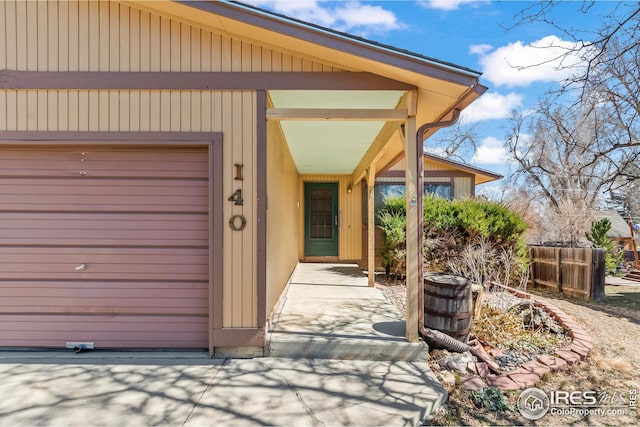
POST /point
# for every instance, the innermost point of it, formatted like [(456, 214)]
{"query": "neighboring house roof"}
[(619, 227), (481, 175)]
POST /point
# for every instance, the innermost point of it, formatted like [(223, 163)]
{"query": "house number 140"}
[(237, 222)]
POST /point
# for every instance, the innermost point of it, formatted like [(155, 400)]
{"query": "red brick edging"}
[(531, 372)]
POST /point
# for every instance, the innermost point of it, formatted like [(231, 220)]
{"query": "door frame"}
[(334, 186)]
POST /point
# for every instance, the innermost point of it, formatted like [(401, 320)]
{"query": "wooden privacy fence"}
[(578, 272)]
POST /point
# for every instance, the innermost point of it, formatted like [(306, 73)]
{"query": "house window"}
[(383, 190), (441, 190)]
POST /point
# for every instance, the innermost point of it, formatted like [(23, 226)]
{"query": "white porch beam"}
[(375, 151), (345, 114)]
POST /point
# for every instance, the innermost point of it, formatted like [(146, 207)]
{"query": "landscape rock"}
[(458, 361), (447, 378)]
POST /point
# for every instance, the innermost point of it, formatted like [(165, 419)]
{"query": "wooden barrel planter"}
[(448, 305)]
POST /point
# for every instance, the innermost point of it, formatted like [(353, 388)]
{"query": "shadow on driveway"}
[(101, 390)]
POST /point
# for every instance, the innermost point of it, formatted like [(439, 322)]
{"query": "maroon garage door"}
[(104, 244)]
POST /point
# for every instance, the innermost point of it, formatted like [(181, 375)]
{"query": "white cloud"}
[(492, 105), (350, 16), (549, 59), (447, 4), (491, 152), (480, 49)]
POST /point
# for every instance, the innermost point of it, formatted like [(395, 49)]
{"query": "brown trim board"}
[(90, 137), (428, 174), (106, 80), (240, 337), (261, 190), (212, 140)]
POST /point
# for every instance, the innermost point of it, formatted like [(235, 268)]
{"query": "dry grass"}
[(617, 364), (507, 331)]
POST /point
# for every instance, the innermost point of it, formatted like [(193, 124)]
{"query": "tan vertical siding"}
[(429, 165), (350, 207), (463, 187), (283, 213), (109, 36)]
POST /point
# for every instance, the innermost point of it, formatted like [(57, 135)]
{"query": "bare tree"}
[(519, 200), (555, 162), (458, 142), (607, 79), (626, 198), (574, 150)]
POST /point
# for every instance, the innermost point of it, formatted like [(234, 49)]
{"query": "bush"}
[(479, 240), (439, 214), (394, 226), (456, 235), (489, 220), (599, 239), (395, 205)]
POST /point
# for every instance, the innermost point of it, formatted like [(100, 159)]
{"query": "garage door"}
[(104, 244)]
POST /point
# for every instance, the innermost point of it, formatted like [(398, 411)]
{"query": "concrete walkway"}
[(101, 388), (331, 313), (326, 306)]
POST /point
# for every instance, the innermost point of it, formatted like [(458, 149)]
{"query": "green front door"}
[(320, 219)]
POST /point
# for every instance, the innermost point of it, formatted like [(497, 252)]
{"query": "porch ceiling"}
[(331, 146)]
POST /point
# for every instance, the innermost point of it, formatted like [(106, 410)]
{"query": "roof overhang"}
[(439, 87), (481, 175)]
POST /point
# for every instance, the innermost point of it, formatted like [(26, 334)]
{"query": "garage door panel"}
[(116, 196), (110, 306), (115, 229), (116, 263), (138, 298), (104, 331), (104, 187), (111, 221), (115, 162), (124, 289)]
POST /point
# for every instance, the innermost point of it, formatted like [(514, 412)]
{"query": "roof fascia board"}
[(337, 41)]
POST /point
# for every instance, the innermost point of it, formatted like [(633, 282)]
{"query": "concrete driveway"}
[(175, 389)]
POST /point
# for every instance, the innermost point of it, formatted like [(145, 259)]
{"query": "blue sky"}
[(470, 33)]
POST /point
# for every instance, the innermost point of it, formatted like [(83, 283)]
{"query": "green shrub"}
[(393, 225), (490, 398), (439, 214), (599, 239), (488, 220), (395, 205), (451, 229)]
